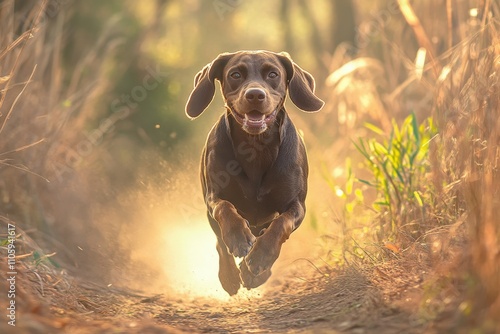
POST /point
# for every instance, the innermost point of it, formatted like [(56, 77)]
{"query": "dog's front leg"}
[(234, 229), (268, 246)]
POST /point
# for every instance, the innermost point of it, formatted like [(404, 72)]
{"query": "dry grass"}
[(466, 161), (43, 107), (453, 76)]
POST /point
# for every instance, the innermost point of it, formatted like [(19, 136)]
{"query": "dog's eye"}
[(235, 75), (272, 75)]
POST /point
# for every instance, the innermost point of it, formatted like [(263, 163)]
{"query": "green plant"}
[(398, 165), (354, 220)]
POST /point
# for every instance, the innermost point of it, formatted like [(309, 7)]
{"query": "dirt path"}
[(382, 299)]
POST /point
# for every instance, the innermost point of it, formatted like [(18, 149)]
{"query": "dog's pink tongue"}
[(254, 116)]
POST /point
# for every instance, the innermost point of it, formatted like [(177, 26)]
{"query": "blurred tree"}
[(343, 24), (286, 25), (139, 85), (315, 38)]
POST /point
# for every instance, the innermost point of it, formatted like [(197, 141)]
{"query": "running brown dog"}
[(254, 164)]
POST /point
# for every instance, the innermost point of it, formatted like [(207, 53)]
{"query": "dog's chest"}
[(257, 193), (257, 202), (257, 178)]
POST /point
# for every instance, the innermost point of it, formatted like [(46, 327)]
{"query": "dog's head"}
[(254, 86)]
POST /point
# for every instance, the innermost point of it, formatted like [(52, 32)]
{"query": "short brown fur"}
[(254, 164)]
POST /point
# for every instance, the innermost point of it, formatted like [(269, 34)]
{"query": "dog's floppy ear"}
[(300, 85), (204, 86)]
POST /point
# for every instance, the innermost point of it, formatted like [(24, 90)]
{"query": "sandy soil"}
[(387, 298)]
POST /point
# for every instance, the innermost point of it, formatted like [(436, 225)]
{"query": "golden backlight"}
[(191, 262)]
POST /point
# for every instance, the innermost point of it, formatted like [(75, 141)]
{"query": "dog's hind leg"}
[(229, 274)]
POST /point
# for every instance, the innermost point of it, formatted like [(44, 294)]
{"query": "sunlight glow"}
[(339, 192), (191, 261)]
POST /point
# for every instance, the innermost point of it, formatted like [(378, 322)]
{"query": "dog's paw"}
[(251, 281), (239, 240), (229, 278), (262, 256)]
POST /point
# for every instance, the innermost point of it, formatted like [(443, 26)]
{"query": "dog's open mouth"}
[(255, 121)]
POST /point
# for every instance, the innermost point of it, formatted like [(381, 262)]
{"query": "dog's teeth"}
[(262, 118)]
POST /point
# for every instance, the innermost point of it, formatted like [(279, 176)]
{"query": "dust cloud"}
[(155, 237)]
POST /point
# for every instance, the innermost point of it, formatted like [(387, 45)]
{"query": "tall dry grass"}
[(440, 60), (43, 105), (46, 104), (29, 93), (466, 166)]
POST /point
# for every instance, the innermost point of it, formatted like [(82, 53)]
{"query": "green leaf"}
[(374, 128), (349, 185), (416, 132), (359, 195), (418, 198), (397, 132), (391, 140), (413, 156), (398, 173), (361, 149), (349, 207), (367, 183), (379, 148)]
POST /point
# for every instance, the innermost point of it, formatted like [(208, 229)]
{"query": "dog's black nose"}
[(255, 95)]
